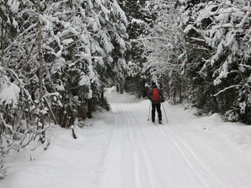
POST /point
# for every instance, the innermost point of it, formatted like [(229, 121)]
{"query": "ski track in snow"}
[(124, 150), (186, 168)]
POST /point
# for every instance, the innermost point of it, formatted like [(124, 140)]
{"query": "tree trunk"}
[(41, 71), (90, 108), (2, 38)]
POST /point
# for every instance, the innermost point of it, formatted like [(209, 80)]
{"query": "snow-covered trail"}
[(143, 155), (124, 150)]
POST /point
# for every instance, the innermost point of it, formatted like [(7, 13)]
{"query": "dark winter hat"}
[(153, 83)]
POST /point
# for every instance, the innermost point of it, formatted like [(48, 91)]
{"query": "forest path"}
[(180, 153), (122, 149)]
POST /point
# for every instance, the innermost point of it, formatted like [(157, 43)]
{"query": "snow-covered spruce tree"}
[(118, 32), (196, 50), (19, 110), (85, 50), (77, 43), (9, 91), (9, 94), (224, 28), (81, 44), (139, 17), (164, 47), (88, 50)]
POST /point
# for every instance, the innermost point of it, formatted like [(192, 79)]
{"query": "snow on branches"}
[(222, 28)]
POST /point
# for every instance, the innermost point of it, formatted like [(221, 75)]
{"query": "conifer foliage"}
[(82, 47), (220, 30), (201, 51), (140, 17), (164, 46)]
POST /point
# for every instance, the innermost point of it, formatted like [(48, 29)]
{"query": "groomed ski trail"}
[(143, 155), (122, 149)]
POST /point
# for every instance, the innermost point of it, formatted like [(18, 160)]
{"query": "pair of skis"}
[(155, 123), (149, 114), (158, 123)]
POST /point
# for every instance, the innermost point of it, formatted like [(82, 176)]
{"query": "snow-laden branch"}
[(151, 38), (227, 88)]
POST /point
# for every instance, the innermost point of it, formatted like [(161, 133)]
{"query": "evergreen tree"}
[(140, 17), (221, 33), (81, 45), (195, 51)]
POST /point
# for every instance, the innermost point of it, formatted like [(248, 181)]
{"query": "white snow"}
[(137, 21), (121, 149), (9, 92), (14, 5), (85, 80)]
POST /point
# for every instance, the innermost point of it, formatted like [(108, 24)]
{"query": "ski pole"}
[(164, 112), (149, 111)]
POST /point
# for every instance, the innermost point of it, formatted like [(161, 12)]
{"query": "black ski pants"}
[(154, 107)]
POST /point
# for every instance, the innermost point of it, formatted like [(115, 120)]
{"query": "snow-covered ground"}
[(121, 149)]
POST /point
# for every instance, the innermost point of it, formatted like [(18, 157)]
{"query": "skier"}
[(156, 96)]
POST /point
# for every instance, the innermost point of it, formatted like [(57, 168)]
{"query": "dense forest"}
[(57, 56)]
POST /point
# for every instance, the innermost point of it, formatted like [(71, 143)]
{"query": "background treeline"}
[(57, 57)]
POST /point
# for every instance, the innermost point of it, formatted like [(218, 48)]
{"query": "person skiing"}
[(156, 96)]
